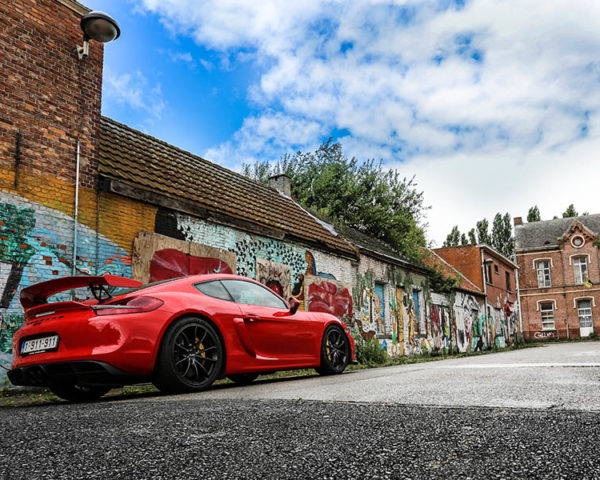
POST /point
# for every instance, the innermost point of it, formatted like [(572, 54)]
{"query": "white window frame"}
[(585, 313), (579, 273), (549, 268), (547, 316), (585, 297)]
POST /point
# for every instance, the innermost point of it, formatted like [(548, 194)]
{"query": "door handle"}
[(251, 317)]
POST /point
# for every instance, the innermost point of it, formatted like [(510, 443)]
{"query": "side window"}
[(253, 294), (580, 266), (543, 273), (214, 289)]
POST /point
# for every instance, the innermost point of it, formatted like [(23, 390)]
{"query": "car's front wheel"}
[(190, 358), (78, 393), (335, 351)]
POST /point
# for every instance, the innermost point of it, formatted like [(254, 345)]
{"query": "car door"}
[(273, 331)]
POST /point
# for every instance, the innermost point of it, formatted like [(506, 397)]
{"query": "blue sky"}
[(492, 104)]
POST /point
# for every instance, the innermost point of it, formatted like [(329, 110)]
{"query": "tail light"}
[(128, 305)]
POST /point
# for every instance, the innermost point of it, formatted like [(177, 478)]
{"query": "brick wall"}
[(47, 94), (563, 292), (466, 260)]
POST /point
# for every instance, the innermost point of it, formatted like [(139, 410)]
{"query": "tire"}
[(335, 351), (243, 378), (190, 357), (78, 393)]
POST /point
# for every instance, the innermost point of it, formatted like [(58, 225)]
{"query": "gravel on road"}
[(263, 439)]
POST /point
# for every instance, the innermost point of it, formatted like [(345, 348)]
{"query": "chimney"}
[(281, 183), (518, 221)]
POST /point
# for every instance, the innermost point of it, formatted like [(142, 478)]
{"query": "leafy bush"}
[(369, 352)]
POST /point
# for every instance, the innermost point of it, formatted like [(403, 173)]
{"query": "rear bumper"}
[(87, 372)]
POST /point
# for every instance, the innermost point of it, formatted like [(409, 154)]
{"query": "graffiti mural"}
[(398, 313), (327, 295), (171, 263), (36, 245), (274, 275), (157, 257), (379, 308), (250, 250)]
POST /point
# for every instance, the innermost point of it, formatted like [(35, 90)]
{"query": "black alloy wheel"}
[(335, 351), (190, 357), (78, 393)]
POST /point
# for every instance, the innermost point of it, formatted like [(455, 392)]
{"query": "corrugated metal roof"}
[(149, 164)]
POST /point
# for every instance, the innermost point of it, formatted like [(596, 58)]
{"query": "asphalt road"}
[(446, 419)]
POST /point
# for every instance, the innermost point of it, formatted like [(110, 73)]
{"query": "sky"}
[(493, 105)]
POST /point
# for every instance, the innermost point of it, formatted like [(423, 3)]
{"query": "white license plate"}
[(39, 345)]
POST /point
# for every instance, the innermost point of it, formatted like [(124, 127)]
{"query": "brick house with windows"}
[(496, 276), (559, 276)]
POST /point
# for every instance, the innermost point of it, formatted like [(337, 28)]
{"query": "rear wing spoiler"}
[(38, 293)]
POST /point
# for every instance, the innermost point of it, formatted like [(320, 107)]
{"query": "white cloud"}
[(496, 98), (135, 91)]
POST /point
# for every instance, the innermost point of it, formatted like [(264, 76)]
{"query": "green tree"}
[(483, 233), (463, 239), (570, 212), (453, 238), (502, 239), (361, 195), (472, 237), (534, 214)]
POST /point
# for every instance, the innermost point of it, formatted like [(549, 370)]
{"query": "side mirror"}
[(294, 304)]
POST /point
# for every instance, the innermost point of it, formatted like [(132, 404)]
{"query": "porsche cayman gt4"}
[(180, 334)]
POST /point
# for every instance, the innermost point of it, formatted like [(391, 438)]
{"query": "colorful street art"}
[(379, 308), (35, 245), (396, 347), (327, 295), (251, 250), (274, 275), (170, 263)]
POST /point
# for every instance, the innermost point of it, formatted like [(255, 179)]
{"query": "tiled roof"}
[(545, 234), (146, 163)]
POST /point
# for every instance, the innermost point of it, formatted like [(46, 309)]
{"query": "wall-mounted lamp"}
[(97, 26)]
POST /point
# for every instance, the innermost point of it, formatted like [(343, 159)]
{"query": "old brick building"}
[(559, 276), (496, 276)]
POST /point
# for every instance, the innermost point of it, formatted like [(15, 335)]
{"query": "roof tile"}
[(149, 164)]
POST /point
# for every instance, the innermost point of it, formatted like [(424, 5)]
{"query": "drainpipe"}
[(519, 302), (76, 214), (487, 327)]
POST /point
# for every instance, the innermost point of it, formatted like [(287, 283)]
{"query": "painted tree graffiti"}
[(15, 251)]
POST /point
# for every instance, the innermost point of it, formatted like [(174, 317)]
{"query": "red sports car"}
[(181, 334)]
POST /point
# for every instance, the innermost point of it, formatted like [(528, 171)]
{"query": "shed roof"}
[(545, 234), (147, 166)]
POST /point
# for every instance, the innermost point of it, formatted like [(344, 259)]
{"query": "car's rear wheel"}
[(78, 393), (243, 378), (190, 358), (335, 351)]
